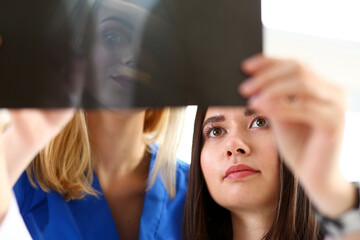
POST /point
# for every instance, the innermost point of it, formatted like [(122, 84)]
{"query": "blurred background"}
[(325, 34)]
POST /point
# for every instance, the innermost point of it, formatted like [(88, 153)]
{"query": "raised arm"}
[(28, 133), (5, 187), (307, 114), (12, 225)]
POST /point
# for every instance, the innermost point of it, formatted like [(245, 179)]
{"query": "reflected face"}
[(239, 159), (118, 28)]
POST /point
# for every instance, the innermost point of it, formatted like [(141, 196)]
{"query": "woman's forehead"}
[(228, 111), (123, 9)]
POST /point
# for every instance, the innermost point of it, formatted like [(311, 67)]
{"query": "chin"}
[(240, 199)]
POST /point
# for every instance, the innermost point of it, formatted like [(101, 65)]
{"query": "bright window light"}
[(327, 18), (350, 154), (184, 151)]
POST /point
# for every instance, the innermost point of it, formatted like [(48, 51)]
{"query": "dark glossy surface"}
[(114, 53)]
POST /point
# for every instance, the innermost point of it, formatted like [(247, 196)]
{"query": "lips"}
[(124, 81), (127, 76), (240, 171)]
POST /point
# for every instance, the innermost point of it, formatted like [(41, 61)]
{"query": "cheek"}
[(270, 154), (209, 166), (101, 56), (264, 150), (270, 165), (210, 161), (205, 163)]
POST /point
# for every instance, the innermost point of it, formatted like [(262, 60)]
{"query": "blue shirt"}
[(48, 216)]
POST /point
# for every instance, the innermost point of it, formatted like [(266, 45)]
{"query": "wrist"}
[(17, 154), (341, 200), (5, 191), (334, 197), (347, 223)]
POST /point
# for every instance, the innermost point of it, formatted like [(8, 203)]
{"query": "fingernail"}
[(254, 101), (247, 87), (251, 62)]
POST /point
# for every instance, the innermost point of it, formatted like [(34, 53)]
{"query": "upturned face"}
[(239, 159)]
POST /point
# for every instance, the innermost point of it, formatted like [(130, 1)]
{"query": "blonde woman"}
[(108, 174), (103, 177)]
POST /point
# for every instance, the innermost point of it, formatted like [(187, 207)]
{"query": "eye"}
[(216, 132), (260, 123), (113, 38)]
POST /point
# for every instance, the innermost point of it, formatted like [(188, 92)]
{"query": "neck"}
[(251, 225), (117, 142)]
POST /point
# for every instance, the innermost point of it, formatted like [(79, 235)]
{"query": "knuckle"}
[(296, 65)]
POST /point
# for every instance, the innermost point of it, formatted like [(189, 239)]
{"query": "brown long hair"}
[(205, 219)]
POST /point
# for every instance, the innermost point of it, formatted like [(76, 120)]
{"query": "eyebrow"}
[(218, 118), (248, 112), (119, 20), (221, 118)]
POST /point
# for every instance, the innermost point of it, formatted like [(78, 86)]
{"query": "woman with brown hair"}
[(239, 186), (251, 194)]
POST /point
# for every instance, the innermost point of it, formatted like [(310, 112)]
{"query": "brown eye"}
[(215, 132), (259, 123)]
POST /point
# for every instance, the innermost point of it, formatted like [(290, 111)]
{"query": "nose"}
[(239, 150), (237, 147), (128, 61)]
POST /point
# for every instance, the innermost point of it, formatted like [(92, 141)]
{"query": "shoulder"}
[(23, 188), (26, 194), (182, 167), (182, 177)]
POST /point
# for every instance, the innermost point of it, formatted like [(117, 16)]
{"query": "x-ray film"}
[(119, 53)]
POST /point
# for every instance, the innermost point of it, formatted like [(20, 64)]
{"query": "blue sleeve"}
[(172, 217), (162, 216), (23, 191), (48, 216), (31, 199)]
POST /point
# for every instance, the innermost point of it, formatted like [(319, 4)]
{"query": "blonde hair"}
[(66, 165)]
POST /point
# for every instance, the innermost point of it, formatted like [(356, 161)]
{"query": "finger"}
[(255, 63), (302, 110), (277, 71), (292, 90), (282, 89), (252, 63), (317, 114), (306, 84)]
